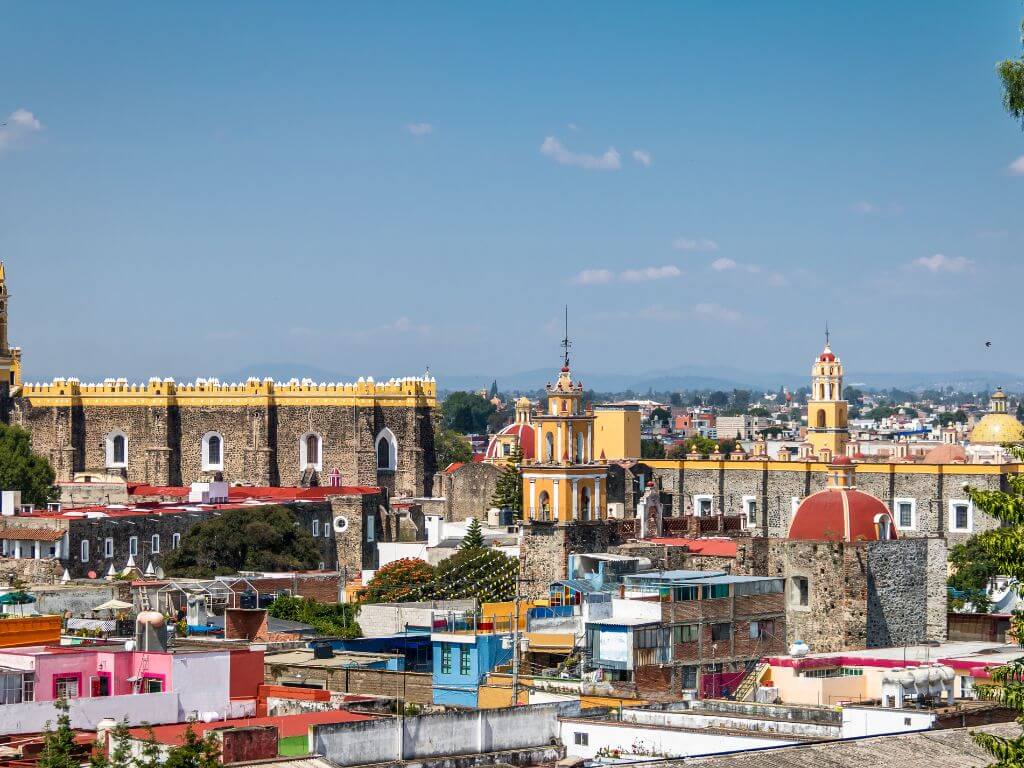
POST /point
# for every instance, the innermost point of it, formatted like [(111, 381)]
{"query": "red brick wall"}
[(255, 742), (245, 624), (246, 674)]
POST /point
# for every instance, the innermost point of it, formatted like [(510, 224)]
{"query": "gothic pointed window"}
[(117, 450), (213, 451), (310, 451), (387, 451)]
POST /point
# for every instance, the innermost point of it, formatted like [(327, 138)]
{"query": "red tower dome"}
[(842, 514)]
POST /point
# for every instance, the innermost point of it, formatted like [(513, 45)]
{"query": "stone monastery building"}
[(258, 432)]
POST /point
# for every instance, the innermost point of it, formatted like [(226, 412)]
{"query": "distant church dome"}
[(841, 512), (521, 430), (997, 426)]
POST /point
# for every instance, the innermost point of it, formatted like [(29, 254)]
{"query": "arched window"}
[(549, 447), (579, 447), (820, 420), (310, 451), (387, 451), (883, 524), (585, 503), (213, 451), (117, 449), (545, 506)]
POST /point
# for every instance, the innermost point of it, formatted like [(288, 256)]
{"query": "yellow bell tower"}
[(827, 426), (564, 481), (10, 357)]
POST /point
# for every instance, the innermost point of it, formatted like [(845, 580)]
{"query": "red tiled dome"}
[(840, 514), (525, 434), (827, 357), (842, 460)]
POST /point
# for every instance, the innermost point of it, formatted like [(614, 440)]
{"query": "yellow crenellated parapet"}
[(405, 392)]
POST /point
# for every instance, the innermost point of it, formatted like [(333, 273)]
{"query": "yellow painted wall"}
[(617, 434), (17, 631)]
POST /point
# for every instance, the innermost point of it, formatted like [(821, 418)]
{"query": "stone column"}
[(258, 457)]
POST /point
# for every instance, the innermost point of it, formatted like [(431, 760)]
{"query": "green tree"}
[(1003, 548), (194, 752), (22, 470), (474, 538), (260, 539), (451, 447), (958, 417), (660, 416), (466, 412), (760, 411), (1011, 72), (728, 445), (652, 449), (508, 492), (401, 581), (59, 748), (326, 618), (486, 575)]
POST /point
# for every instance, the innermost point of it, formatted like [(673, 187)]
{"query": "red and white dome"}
[(842, 514), (525, 434)]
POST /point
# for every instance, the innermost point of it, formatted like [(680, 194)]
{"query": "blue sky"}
[(194, 189)]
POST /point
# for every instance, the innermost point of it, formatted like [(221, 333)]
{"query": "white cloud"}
[(650, 273), (419, 129), (641, 275), (717, 312), (573, 127), (777, 280), (643, 157), (609, 161), (594, 277), (702, 244), (16, 126), (940, 263), (866, 207), (1017, 166), (722, 264)]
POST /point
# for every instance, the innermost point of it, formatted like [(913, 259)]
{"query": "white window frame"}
[(175, 540), (953, 504), (84, 553), (794, 505), (316, 528), (698, 498), (371, 532), (154, 544), (794, 593), (747, 502), (327, 529), (207, 465), (318, 465), (133, 546), (896, 513), (109, 442), (387, 434), (108, 547)]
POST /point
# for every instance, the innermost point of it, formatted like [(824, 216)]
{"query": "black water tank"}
[(323, 650), (247, 599)]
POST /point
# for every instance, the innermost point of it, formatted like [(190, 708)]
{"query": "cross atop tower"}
[(827, 334), (566, 344)]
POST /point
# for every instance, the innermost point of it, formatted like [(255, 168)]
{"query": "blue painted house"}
[(462, 660)]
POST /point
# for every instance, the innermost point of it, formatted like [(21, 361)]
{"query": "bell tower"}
[(10, 358), (827, 427)]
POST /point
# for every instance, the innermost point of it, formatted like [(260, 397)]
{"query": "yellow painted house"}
[(564, 481)]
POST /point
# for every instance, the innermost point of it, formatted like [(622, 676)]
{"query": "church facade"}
[(258, 432)]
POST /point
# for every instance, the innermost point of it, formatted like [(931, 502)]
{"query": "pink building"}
[(106, 680)]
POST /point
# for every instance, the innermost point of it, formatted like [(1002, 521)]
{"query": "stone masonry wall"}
[(776, 489), (261, 444)]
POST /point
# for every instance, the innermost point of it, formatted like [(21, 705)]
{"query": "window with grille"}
[(721, 632), (686, 633), (464, 660), (446, 659)]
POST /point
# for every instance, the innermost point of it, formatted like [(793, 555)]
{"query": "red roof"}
[(711, 547), (287, 725), (840, 514), (525, 434), (454, 467)]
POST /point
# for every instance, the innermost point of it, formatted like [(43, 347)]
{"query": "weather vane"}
[(565, 342)]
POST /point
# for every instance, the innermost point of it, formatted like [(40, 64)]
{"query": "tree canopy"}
[(466, 412), (1011, 73), (652, 449), (1002, 550), (22, 470), (508, 492), (251, 539), (474, 538), (450, 447), (487, 575), (400, 581), (326, 618)]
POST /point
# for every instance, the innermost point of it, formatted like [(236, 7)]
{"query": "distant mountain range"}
[(680, 377)]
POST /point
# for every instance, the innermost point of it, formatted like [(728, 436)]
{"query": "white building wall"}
[(876, 721), (636, 742)]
